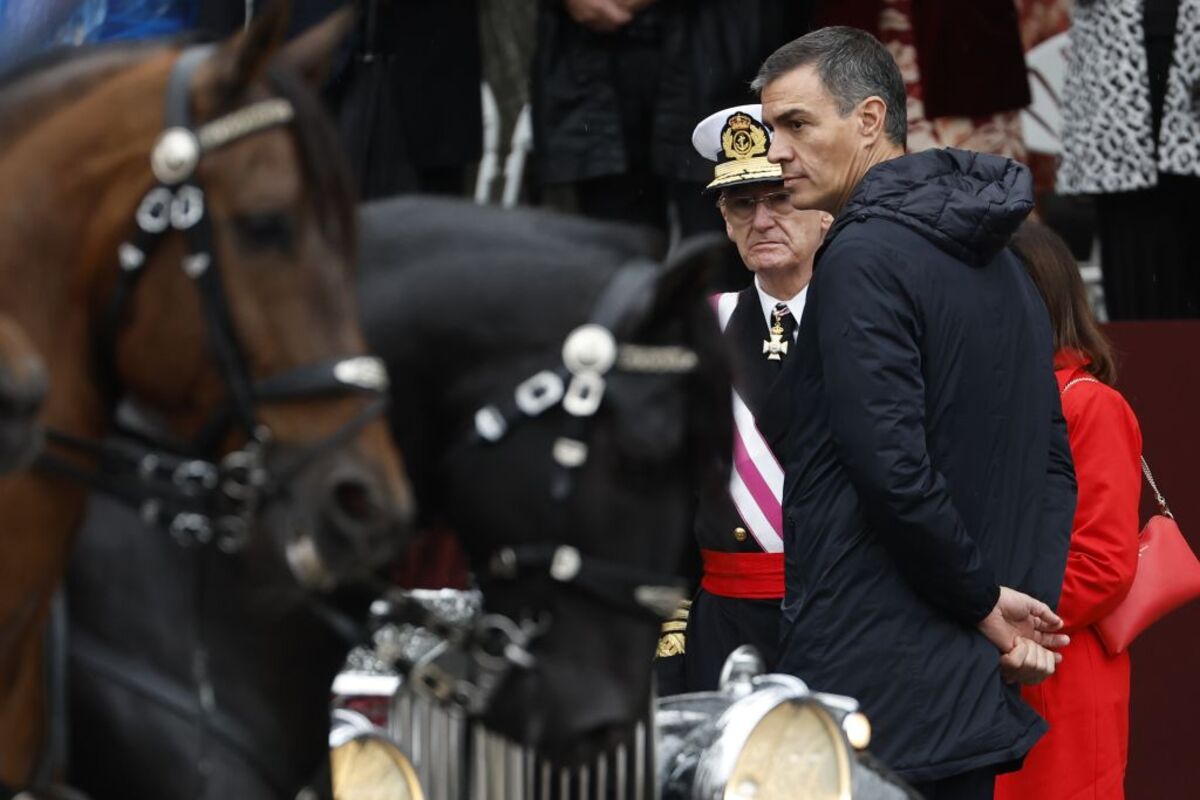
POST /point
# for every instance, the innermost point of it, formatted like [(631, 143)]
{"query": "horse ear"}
[(310, 54), (243, 58), (687, 273)]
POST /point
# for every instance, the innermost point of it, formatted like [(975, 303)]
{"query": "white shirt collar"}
[(795, 304)]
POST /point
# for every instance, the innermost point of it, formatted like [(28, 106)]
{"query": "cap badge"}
[(743, 138)]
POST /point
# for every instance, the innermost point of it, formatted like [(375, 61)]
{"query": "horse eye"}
[(268, 231)]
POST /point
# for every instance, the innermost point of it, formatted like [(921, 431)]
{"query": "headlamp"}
[(367, 765), (764, 737)]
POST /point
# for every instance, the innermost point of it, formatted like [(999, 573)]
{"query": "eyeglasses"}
[(742, 207)]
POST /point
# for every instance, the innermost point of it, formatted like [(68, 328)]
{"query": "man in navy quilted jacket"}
[(928, 489)]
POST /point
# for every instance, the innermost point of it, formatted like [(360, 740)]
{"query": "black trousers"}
[(977, 784)]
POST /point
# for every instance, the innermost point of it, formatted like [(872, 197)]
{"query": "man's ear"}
[(872, 115), (310, 54), (725, 218)]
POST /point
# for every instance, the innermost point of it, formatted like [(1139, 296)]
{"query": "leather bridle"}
[(198, 496), (474, 657)]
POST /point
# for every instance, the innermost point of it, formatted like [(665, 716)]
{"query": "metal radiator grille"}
[(460, 760)]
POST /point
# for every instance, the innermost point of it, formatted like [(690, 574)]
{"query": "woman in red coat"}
[(1086, 702)]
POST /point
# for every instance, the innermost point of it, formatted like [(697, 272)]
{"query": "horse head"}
[(282, 229), (255, 335), (564, 405), (177, 240)]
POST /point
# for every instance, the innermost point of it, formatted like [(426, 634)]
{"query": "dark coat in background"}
[(406, 96), (404, 89), (598, 113), (927, 461)]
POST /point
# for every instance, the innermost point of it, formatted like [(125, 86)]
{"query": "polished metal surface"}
[(458, 759), (721, 745)]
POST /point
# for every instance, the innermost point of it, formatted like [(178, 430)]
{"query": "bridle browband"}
[(475, 656), (199, 497)]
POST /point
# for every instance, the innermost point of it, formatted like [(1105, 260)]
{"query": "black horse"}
[(203, 675), (460, 328)]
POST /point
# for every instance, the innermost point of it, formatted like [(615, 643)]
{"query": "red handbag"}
[(1168, 575)]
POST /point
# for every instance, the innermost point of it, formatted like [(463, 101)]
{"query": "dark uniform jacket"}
[(740, 605), (766, 388), (927, 461)]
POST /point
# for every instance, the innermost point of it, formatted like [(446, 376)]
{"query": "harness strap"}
[(626, 293), (178, 107), (338, 438), (99, 660), (355, 374), (219, 328), (161, 485), (633, 591)]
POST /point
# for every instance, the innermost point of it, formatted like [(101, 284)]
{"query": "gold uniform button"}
[(739, 534)]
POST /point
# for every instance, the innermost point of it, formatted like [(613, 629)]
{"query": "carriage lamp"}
[(365, 764), (775, 743), (765, 737), (858, 730)]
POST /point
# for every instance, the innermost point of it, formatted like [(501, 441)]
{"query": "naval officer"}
[(740, 529)]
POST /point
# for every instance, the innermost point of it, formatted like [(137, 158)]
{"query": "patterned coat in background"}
[(1108, 138)]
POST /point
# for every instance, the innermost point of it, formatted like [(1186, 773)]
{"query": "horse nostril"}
[(353, 499)]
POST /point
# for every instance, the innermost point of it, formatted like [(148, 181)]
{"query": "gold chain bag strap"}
[(1168, 573)]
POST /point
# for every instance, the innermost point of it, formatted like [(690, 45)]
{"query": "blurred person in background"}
[(1086, 701), (406, 96), (1131, 138), (618, 86), (404, 91)]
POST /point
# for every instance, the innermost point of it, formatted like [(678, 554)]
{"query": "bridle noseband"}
[(198, 497)]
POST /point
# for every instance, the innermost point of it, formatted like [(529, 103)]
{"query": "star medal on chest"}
[(776, 347)]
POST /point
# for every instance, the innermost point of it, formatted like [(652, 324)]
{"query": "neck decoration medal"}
[(776, 347)]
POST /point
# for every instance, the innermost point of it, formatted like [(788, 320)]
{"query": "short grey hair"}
[(852, 65)]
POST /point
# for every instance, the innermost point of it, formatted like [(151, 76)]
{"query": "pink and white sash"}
[(756, 481)]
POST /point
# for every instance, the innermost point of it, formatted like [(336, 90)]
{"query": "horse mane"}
[(38, 87)]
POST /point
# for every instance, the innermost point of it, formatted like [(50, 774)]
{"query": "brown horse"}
[(189, 347), (22, 389)]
